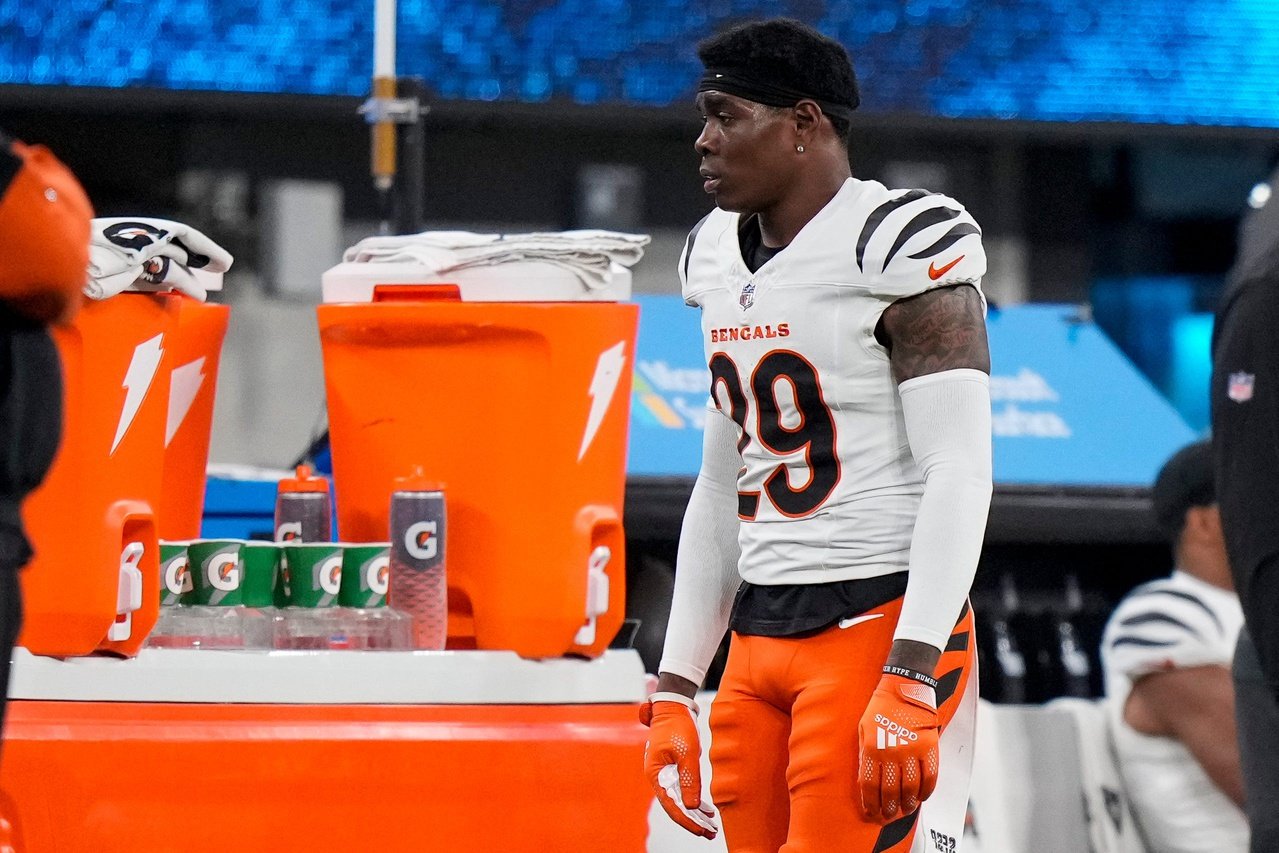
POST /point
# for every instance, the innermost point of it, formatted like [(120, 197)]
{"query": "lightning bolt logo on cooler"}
[(608, 372), (417, 581), (137, 381), (184, 386)]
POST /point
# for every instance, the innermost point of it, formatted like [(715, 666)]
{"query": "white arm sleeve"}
[(706, 577), (947, 418)]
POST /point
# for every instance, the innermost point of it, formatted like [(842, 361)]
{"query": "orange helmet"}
[(44, 224)]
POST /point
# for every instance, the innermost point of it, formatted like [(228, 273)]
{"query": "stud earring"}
[(799, 148)]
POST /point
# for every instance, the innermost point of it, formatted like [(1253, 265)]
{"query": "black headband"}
[(769, 94)]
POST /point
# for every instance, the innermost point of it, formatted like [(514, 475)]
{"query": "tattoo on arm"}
[(940, 329)]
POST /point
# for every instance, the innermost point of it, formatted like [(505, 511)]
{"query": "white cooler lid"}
[(519, 281)]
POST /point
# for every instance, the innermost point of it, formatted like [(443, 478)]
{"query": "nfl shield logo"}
[(1239, 387), (747, 298)]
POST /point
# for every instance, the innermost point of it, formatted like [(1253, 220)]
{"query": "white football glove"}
[(150, 254)]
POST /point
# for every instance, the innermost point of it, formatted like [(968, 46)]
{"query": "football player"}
[(1166, 654), (839, 512)]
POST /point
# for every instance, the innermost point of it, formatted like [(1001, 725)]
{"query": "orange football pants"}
[(784, 735)]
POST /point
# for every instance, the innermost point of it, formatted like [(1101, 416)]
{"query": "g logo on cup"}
[(223, 572), (177, 577), (420, 540), (377, 575), (329, 574)]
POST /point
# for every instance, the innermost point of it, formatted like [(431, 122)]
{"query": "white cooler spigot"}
[(596, 593), (128, 592)]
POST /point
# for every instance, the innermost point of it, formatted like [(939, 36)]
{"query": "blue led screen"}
[(1212, 62)]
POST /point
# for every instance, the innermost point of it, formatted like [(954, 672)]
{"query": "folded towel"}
[(150, 254), (587, 254)]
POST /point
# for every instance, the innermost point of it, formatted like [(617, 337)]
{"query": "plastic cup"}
[(366, 573), (216, 572), (315, 573), (175, 573), (261, 570)]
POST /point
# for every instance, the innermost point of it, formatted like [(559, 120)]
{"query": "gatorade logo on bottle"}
[(289, 531), (419, 533), (328, 574), (377, 575), (420, 540), (177, 575), (223, 572)]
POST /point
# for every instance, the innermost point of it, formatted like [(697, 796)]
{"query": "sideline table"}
[(181, 750)]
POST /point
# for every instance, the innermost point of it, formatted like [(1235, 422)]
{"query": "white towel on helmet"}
[(587, 254), (137, 253)]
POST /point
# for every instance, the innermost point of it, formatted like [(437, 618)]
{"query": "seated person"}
[(1166, 654)]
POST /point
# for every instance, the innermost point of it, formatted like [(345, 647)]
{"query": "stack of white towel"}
[(587, 254)]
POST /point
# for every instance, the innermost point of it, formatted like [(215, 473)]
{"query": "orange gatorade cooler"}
[(93, 520), (94, 582), (521, 408), (194, 349)]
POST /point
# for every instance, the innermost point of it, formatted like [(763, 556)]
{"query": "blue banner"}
[(1068, 407), (670, 392)]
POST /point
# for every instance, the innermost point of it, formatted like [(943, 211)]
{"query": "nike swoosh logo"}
[(935, 273), (857, 620)]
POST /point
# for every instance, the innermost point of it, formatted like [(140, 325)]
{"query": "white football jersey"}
[(1171, 623), (828, 489)]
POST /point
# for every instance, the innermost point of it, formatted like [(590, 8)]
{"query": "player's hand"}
[(672, 762), (897, 756)]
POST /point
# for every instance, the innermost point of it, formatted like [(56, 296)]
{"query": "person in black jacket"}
[(44, 253), (1245, 421)]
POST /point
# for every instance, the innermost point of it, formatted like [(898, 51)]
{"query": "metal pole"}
[(411, 187), (383, 131)]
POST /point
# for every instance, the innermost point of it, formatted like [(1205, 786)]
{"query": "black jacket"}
[(1245, 422), (30, 423)]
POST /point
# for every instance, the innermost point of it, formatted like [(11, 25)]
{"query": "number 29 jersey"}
[(828, 489)]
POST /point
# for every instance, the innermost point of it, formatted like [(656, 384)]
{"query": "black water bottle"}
[(418, 576), (303, 510), (303, 513)]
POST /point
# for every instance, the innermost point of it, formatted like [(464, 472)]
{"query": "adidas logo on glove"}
[(890, 733)]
